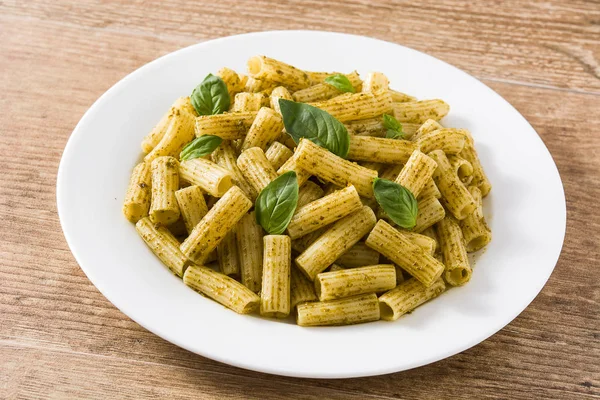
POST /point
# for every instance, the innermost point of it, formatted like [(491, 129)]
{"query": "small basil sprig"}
[(340, 82), (200, 147), (211, 96), (276, 203), (397, 201), (394, 128), (304, 121)]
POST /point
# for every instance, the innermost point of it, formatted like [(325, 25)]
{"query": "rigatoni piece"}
[(324, 91), (351, 310), (232, 80), (163, 244), (137, 198), (475, 230), (449, 140), (309, 192), (165, 181), (406, 297), (388, 151), (265, 68), (219, 220), (456, 197), (430, 212), (458, 270), (277, 154), (255, 167), (275, 291), (249, 237), (225, 157), (469, 153), (429, 190), (354, 106), (256, 85), (355, 281), (417, 171), (335, 241), (191, 205), (399, 97), (302, 290), (179, 133), (428, 126), (279, 93), (331, 168), (323, 211), (420, 111), (227, 255), (265, 129), (211, 178), (292, 165), (228, 126), (462, 168), (393, 245), (222, 289), (358, 255), (157, 133), (245, 102), (375, 81), (427, 244)]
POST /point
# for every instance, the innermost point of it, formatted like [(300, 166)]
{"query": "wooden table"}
[(60, 338)]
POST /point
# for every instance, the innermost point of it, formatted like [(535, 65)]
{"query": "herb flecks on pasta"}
[(326, 195)]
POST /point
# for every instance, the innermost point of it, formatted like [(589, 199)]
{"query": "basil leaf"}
[(340, 82), (200, 147), (398, 202), (304, 121), (211, 96), (394, 128), (276, 203)]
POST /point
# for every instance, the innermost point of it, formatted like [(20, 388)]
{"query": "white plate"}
[(526, 209)]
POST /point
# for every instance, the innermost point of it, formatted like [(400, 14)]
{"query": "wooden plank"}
[(59, 336), (540, 43)]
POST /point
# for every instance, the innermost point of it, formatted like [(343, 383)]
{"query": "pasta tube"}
[(219, 220), (275, 292), (426, 127), (406, 297), (420, 111), (351, 310), (192, 206), (401, 251), (137, 198), (265, 68), (450, 141), (398, 97), (211, 178), (163, 244), (265, 129), (469, 153), (427, 244), (292, 165), (324, 91), (475, 230), (279, 93), (225, 157), (165, 181), (308, 193), (278, 154), (458, 271), (430, 212), (388, 151), (376, 81), (354, 106), (358, 255), (302, 290), (157, 133), (227, 255), (456, 197), (331, 168), (250, 251), (228, 126), (429, 190), (222, 289), (232, 80), (462, 168), (255, 167), (417, 171), (179, 133), (304, 242), (335, 241), (323, 211), (245, 102), (351, 282)]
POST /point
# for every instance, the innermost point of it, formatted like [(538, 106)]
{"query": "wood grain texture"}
[(60, 338)]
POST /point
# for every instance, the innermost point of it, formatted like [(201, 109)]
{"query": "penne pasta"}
[(347, 311), (163, 244), (191, 205), (275, 292), (406, 297), (165, 181), (355, 281), (420, 111), (458, 271), (255, 167), (137, 199), (211, 178), (249, 237), (388, 151), (267, 127), (476, 232)]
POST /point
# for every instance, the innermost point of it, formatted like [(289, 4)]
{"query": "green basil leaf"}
[(304, 121), (398, 202), (394, 128), (276, 203), (211, 96), (200, 147), (340, 82)]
